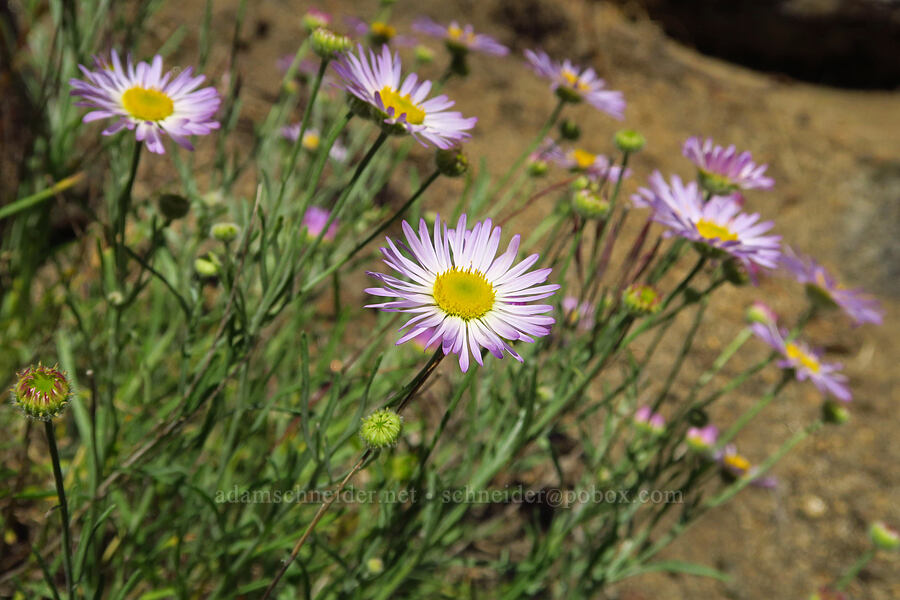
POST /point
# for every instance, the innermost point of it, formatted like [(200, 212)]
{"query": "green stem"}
[(851, 573), (754, 410), (122, 209), (35, 199), (337, 265), (63, 507), (554, 116), (307, 112)]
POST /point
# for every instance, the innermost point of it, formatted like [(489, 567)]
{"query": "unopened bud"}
[(315, 19), (641, 299), (326, 44), (759, 312), (173, 206), (590, 204), (629, 140), (569, 130), (41, 392), (452, 162), (205, 267), (381, 429), (834, 413), (225, 232), (424, 54), (884, 536), (538, 167)]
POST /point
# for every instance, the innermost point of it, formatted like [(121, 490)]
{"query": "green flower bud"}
[(225, 232), (568, 95), (717, 185), (538, 168), (116, 298), (213, 198), (452, 162), (173, 206), (735, 272), (315, 19), (569, 130), (41, 392), (381, 429), (326, 44), (581, 183), (641, 299), (424, 54), (884, 536), (206, 268), (760, 312), (835, 413), (375, 566), (629, 140), (590, 205)]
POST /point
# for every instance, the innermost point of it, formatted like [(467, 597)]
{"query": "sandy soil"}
[(836, 157)]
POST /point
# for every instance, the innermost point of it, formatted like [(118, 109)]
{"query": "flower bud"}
[(835, 413), (173, 206), (375, 566), (424, 54), (641, 299), (452, 162), (381, 429), (115, 298), (717, 185), (225, 232), (629, 140), (569, 130), (41, 392), (590, 205), (735, 272), (315, 19), (538, 167), (326, 44), (648, 421), (702, 439), (205, 267), (884, 536), (759, 312)]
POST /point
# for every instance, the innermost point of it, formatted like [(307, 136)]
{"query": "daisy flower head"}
[(457, 287), (596, 166), (722, 170), (805, 362), (825, 290), (580, 315), (141, 98), (460, 39), (378, 33), (314, 221), (736, 466), (702, 439), (574, 84), (718, 224), (401, 106)]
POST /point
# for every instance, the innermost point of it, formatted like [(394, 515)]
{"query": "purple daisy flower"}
[(702, 439), (460, 39), (459, 288), (736, 466), (718, 223), (723, 170), (311, 140), (805, 361), (376, 80), (314, 221), (144, 99), (574, 84), (580, 315), (378, 32), (821, 286), (595, 166)]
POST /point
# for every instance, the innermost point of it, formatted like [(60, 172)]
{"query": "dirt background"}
[(835, 154)]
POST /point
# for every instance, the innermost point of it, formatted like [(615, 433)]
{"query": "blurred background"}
[(809, 86)]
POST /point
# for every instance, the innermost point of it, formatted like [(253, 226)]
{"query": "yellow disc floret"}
[(583, 159), (710, 231), (147, 105), (799, 355), (737, 462), (401, 105), (465, 294)]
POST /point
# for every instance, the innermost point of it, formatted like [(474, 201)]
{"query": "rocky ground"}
[(835, 154)]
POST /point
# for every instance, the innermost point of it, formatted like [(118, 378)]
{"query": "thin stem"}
[(63, 507), (851, 573), (35, 199), (554, 116), (754, 410), (337, 265), (122, 209), (307, 112)]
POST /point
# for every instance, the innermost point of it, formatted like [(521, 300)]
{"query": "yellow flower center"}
[(583, 159), (710, 230), (573, 80), (465, 294), (310, 140), (737, 462), (401, 105), (147, 105), (797, 354), (382, 30), (454, 32)]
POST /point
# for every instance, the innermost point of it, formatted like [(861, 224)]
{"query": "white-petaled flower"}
[(402, 105), (719, 223), (140, 97), (574, 84), (461, 291)]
